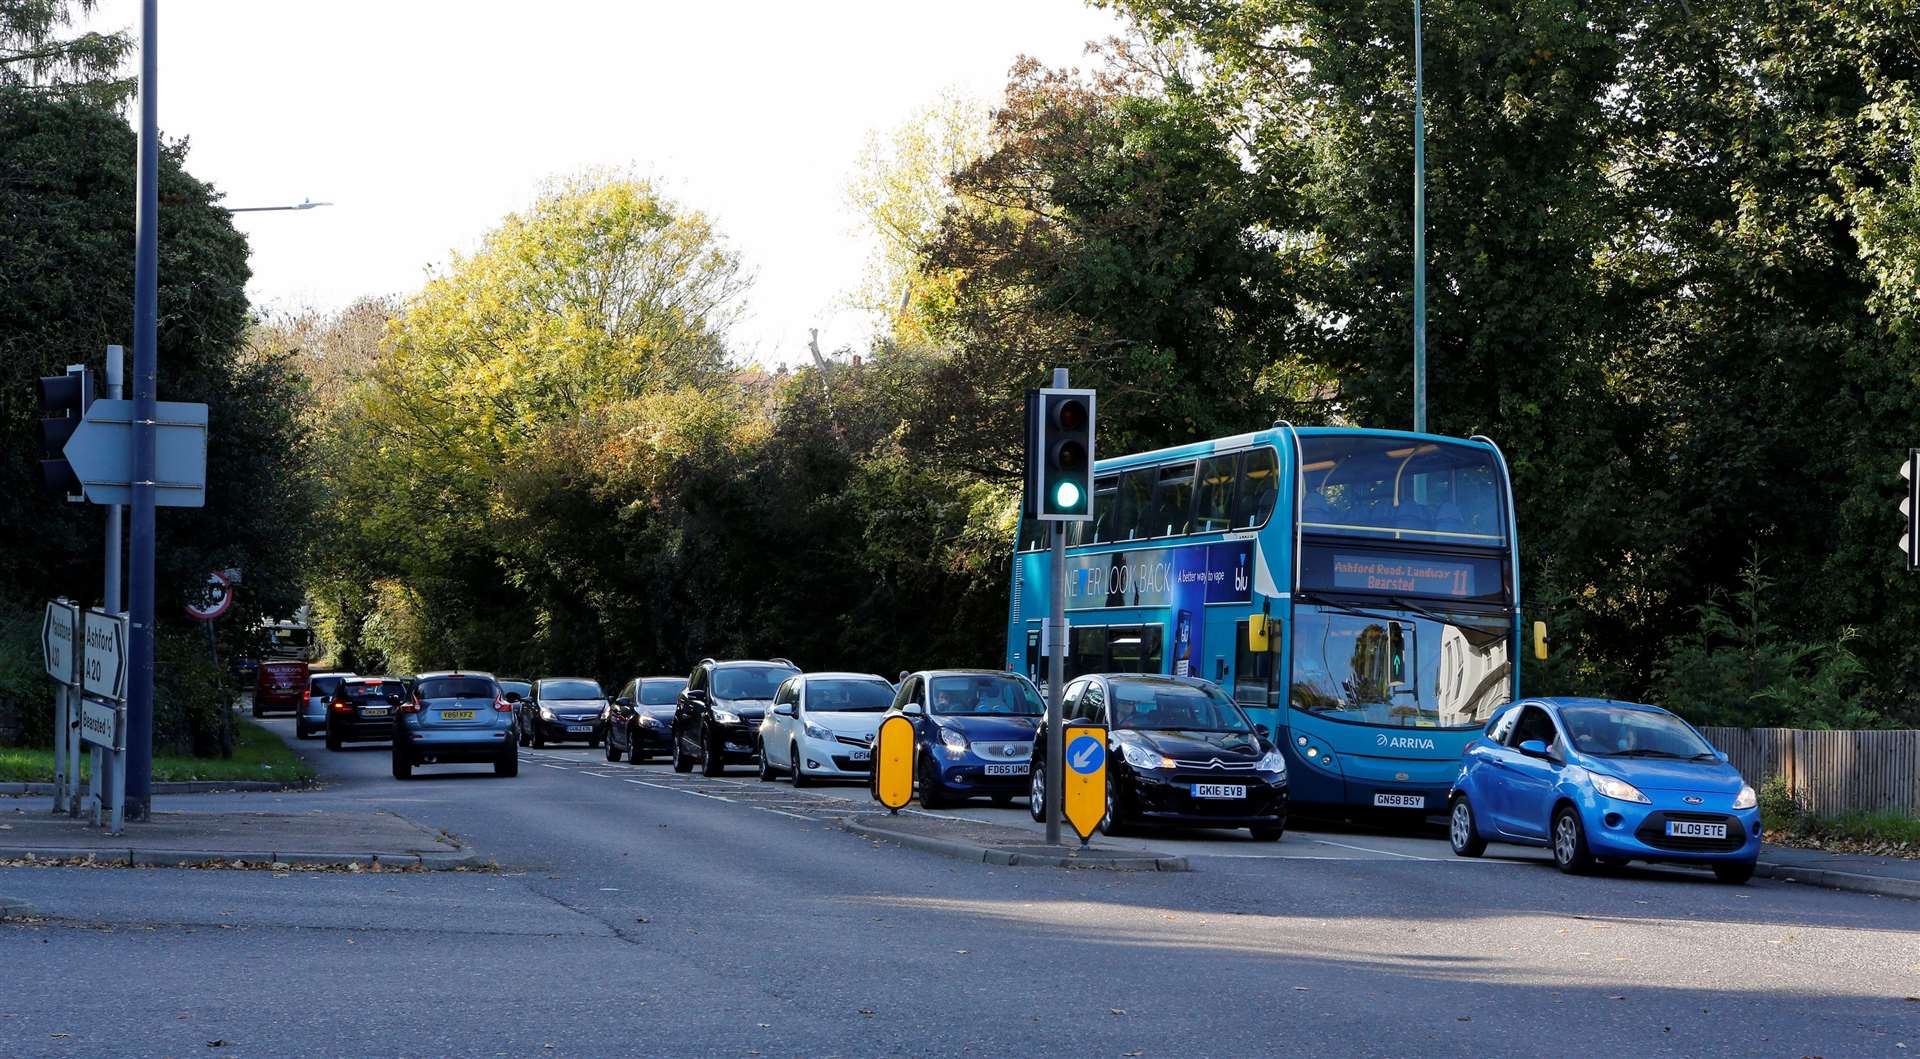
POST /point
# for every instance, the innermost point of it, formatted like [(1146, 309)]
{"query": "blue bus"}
[(1381, 567)]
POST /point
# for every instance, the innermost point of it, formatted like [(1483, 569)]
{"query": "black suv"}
[(717, 717)]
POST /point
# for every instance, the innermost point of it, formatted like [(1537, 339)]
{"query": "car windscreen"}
[(1612, 732), (660, 692), (1159, 706), (835, 695), (371, 691), (456, 688), (570, 689), (748, 682), (323, 687), (984, 694), (1392, 488)]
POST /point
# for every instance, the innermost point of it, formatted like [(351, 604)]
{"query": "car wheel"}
[(539, 737), (333, 740), (520, 731), (1570, 852), (634, 753), (932, 795), (613, 752), (508, 764), (300, 732), (681, 762), (402, 764), (1735, 873), (712, 759), (765, 771), (1037, 794), (1112, 823), (1461, 832), (1268, 832), (800, 777)]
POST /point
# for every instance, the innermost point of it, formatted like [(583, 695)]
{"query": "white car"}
[(821, 727)]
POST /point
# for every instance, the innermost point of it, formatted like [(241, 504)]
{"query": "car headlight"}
[(644, 720), (546, 714), (1141, 758), (723, 717), (1273, 761), (814, 731), (1618, 790), (1748, 798), (956, 743)]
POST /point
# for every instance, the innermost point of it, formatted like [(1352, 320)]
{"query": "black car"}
[(717, 717), (561, 709), (1179, 751), (639, 721), (362, 708)]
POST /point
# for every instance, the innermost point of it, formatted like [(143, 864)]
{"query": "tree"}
[(34, 56)]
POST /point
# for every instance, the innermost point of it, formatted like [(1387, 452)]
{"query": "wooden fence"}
[(1832, 771)]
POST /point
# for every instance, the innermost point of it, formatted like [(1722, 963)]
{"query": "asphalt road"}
[(642, 912)]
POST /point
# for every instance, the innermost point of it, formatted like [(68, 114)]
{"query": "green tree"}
[(34, 55)]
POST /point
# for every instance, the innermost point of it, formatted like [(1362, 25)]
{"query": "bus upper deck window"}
[(1172, 501), (1213, 494), (1259, 482)]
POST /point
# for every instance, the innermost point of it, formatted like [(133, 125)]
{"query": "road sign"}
[(101, 453), (213, 599), (102, 723), (1910, 509), (103, 664), (58, 633), (893, 753), (1084, 791)]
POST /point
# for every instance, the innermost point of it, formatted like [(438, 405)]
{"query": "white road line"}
[(1382, 852), (683, 790), (559, 768)]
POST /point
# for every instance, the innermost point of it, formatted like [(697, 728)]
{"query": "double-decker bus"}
[(1381, 567)]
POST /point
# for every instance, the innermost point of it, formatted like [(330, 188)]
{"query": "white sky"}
[(425, 121)]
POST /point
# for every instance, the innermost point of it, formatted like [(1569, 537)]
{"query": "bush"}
[(1780, 808)]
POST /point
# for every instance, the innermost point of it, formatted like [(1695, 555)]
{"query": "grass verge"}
[(1881, 833), (257, 755)]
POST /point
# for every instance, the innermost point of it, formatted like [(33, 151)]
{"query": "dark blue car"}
[(1604, 782), (975, 729)]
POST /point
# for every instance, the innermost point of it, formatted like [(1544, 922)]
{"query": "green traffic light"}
[(1067, 496)]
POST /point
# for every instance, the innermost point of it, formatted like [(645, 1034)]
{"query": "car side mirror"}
[(1534, 748), (1266, 731), (625, 704), (785, 709), (912, 709), (1721, 754), (694, 695)]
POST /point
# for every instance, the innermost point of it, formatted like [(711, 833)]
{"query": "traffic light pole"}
[(1056, 660), (141, 554)]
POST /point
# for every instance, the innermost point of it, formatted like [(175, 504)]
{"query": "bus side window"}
[(1106, 509), (1134, 516), (1259, 485), (1213, 494), (1172, 500)]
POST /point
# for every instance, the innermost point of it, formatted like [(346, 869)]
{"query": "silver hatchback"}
[(454, 717)]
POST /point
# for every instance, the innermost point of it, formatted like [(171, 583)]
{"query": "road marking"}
[(1382, 852), (683, 790), (559, 768)]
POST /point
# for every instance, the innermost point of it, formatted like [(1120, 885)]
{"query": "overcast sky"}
[(425, 121)]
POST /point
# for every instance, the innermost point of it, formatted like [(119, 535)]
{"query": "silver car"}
[(312, 718)]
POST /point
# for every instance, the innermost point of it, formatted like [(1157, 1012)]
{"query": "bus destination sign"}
[(1373, 572)]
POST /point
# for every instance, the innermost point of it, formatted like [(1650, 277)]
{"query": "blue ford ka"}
[(1604, 782)]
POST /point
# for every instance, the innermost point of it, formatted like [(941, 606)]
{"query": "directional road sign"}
[(101, 723), (213, 598), (103, 665), (101, 453), (58, 633), (1084, 788)]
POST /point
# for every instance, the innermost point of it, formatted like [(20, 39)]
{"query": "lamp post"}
[(306, 204), (1419, 235)]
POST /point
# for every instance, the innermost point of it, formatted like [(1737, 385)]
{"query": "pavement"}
[(639, 910), (1884, 876), (331, 838)]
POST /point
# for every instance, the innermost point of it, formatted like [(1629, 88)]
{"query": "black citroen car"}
[(362, 708), (717, 717), (1179, 752), (639, 721)]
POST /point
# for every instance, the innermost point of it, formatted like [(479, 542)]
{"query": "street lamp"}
[(305, 204)]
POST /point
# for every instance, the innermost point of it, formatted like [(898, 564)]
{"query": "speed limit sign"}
[(212, 598)]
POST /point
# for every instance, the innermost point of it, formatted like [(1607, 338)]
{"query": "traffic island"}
[(997, 844), (344, 841)]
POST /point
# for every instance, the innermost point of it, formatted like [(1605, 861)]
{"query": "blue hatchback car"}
[(1604, 782), (455, 717)]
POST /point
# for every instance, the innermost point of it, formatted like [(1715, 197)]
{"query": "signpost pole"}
[(105, 782), (1056, 658), (61, 766), (146, 268)]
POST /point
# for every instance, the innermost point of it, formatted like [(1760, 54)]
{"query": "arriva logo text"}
[(1402, 742)]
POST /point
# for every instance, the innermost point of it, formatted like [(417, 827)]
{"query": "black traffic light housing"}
[(64, 400), (1060, 455)]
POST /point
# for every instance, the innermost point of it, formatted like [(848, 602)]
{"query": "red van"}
[(280, 686)]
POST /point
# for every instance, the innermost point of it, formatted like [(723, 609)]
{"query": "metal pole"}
[(146, 268), (1056, 661), (62, 763), (116, 389), (1419, 233)]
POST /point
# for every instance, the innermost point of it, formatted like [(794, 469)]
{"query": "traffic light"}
[(1910, 509), (63, 405), (1060, 455)]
